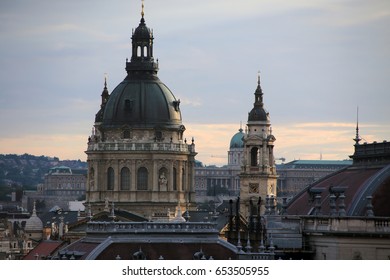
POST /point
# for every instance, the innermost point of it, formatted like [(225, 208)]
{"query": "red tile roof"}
[(44, 249), (352, 178)]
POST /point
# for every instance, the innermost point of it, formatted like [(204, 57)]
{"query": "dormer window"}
[(128, 105), (158, 135), (176, 105), (126, 134)]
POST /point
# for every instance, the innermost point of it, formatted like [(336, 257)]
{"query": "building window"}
[(110, 179), (254, 152), (125, 178), (142, 179), (174, 183)]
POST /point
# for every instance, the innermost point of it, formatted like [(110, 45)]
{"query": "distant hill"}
[(27, 171)]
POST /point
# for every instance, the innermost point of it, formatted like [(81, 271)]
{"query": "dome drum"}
[(144, 69)]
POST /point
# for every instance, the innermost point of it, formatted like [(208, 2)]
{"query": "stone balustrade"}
[(376, 225), (165, 147), (151, 227)]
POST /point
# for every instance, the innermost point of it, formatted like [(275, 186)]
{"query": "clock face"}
[(253, 188)]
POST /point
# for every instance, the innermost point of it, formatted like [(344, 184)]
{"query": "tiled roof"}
[(355, 180), (44, 249), (169, 251)]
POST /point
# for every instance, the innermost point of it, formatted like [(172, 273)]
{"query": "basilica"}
[(138, 156)]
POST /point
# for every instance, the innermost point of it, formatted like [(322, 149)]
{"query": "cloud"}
[(351, 13), (193, 102), (332, 141)]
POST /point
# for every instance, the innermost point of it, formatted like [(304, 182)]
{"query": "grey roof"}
[(142, 103)]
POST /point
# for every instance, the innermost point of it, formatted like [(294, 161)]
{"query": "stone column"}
[(133, 172), (117, 177), (369, 207), (317, 204), (154, 177), (170, 179), (179, 177), (342, 211), (332, 205)]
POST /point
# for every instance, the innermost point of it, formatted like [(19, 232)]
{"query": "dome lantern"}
[(258, 113), (142, 61)]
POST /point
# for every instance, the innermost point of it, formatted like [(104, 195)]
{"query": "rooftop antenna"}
[(357, 138)]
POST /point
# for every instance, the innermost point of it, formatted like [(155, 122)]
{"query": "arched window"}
[(174, 183), (139, 51), (254, 152), (142, 179), (145, 51), (110, 179), (125, 178)]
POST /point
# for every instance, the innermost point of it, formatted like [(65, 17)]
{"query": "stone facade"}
[(64, 182), (219, 178)]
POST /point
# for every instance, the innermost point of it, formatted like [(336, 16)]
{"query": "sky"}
[(318, 60)]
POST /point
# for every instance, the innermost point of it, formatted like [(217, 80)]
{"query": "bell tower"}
[(258, 171)]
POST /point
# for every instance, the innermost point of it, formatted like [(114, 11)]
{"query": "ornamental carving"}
[(253, 188)]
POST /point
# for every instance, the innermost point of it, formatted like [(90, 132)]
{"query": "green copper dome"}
[(237, 141)]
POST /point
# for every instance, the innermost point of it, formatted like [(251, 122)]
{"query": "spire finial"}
[(105, 80), (142, 10), (258, 77), (357, 137), (34, 209)]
